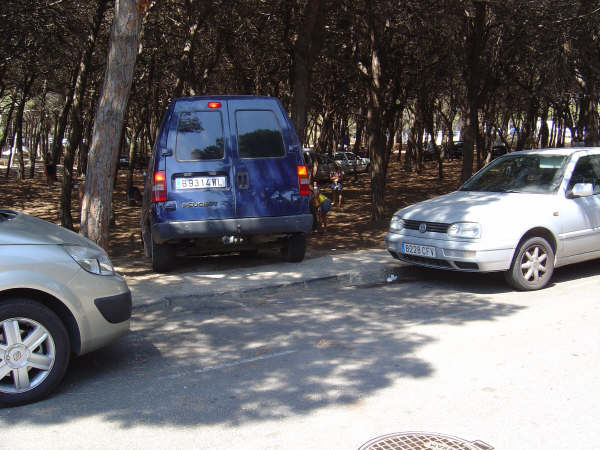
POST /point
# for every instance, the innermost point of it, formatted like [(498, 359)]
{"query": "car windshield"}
[(532, 173)]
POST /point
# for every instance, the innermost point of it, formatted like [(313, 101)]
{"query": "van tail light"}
[(159, 187), (303, 181)]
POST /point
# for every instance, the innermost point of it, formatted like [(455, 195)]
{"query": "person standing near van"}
[(336, 185)]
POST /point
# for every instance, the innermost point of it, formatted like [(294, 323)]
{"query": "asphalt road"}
[(331, 367)]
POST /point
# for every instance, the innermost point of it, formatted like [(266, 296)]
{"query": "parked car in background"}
[(499, 149), (454, 150), (227, 175), (310, 157), (325, 167), (365, 160), (430, 151), (523, 214), (350, 162), (6, 153), (59, 295)]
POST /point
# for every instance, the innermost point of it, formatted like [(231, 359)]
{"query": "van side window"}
[(199, 136), (259, 134)]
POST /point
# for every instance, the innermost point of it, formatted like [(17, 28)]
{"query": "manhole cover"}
[(422, 441)]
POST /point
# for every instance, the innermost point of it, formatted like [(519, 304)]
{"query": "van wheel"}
[(162, 257), (295, 248), (36, 350), (533, 265)]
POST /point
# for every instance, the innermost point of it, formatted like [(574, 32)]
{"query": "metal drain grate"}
[(422, 441)]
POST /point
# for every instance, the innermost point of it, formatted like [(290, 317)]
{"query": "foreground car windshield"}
[(533, 173)]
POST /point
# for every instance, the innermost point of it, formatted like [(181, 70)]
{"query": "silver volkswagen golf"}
[(523, 214), (59, 295)]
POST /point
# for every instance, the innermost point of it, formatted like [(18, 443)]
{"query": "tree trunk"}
[(61, 124), (33, 149), (471, 130), (106, 139), (133, 145), (375, 137), (306, 50), (472, 73), (5, 134), (84, 147), (544, 130), (66, 219), (184, 59), (589, 111), (38, 131), (19, 125)]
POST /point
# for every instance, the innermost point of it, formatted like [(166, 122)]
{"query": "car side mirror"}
[(582, 190)]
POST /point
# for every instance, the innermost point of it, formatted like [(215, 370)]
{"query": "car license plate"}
[(418, 250), (200, 183)]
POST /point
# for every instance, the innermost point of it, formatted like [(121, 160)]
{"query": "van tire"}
[(162, 257), (295, 248)]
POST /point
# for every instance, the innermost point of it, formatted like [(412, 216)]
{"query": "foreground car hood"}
[(488, 207), (23, 229)]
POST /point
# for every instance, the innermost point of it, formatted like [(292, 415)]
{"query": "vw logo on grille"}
[(423, 227)]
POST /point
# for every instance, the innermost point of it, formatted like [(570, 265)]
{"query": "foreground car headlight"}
[(91, 259), (470, 230), (397, 224)]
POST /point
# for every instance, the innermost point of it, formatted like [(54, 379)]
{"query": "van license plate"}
[(200, 183), (418, 250)]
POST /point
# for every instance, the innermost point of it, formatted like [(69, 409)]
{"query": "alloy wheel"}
[(534, 263), (27, 355)]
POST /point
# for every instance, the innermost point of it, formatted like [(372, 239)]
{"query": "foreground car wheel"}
[(295, 248), (34, 351), (533, 265)]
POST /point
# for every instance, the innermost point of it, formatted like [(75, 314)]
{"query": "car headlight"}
[(397, 224), (90, 259), (470, 230)]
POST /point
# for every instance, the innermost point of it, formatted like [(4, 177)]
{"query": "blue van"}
[(226, 175)]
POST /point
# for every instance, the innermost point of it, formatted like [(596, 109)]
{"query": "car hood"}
[(488, 207), (22, 229)]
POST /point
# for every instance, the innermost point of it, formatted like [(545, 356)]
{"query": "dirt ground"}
[(349, 227)]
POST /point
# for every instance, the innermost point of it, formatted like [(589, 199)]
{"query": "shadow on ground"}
[(244, 359)]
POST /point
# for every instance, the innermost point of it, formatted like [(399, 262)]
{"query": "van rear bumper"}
[(167, 231)]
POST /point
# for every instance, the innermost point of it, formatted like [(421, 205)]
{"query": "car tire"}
[(294, 249), (249, 253), (162, 257), (36, 354), (532, 266)]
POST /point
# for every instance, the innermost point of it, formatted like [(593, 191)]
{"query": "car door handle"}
[(242, 180)]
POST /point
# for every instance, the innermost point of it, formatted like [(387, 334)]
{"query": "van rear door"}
[(199, 168), (267, 157)]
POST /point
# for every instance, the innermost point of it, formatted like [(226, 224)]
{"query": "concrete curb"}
[(351, 269)]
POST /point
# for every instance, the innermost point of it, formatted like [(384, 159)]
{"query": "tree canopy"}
[(388, 74)]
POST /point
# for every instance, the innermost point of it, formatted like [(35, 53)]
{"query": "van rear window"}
[(259, 134), (199, 136)]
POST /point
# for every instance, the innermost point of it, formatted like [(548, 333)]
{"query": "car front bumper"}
[(462, 255), (102, 306)]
